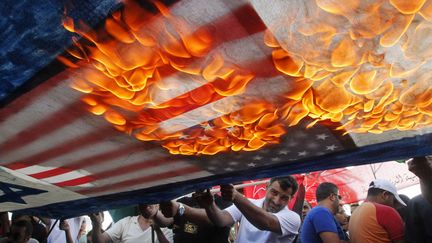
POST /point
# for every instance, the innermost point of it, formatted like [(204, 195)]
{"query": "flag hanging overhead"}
[(161, 98)]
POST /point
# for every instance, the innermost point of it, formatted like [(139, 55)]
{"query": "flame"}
[(361, 64), (358, 64), (121, 69)]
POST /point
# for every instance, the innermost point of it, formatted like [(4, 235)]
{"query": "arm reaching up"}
[(422, 167), (97, 234), (259, 217), (218, 217)]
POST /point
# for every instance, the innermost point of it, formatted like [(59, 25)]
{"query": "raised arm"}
[(171, 209), (64, 225), (97, 234), (218, 217), (422, 167), (260, 218)]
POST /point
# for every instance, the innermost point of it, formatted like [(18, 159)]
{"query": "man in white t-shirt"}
[(132, 229), (264, 220)]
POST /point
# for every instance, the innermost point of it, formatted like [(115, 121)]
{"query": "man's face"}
[(305, 210), (147, 211), (18, 235), (336, 201), (341, 216), (276, 198)]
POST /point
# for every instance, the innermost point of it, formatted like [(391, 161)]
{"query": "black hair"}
[(372, 191), (324, 190), (286, 182), (26, 224)]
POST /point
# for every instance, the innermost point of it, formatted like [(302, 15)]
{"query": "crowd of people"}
[(385, 216)]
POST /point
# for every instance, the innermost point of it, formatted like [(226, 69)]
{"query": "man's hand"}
[(204, 198), (228, 192), (421, 167), (169, 209), (64, 225)]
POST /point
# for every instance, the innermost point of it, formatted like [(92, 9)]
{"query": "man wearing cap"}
[(376, 220)]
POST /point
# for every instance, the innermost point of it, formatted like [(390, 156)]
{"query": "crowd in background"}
[(385, 216)]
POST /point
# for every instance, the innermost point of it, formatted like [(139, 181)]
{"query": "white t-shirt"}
[(128, 230), (288, 220), (59, 236), (31, 240)]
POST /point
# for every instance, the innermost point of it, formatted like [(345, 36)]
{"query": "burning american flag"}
[(163, 98)]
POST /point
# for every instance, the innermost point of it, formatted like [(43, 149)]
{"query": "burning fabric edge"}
[(376, 87)]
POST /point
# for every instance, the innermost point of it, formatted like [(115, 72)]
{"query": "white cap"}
[(386, 186)]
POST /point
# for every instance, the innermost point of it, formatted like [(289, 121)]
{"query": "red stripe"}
[(110, 155), (70, 145), (75, 182), (17, 166), (141, 180), (21, 102), (49, 173), (44, 127), (135, 167)]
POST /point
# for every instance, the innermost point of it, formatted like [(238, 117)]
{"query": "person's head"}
[(20, 231), (279, 191), (342, 217), (306, 208), (383, 192), (148, 210), (327, 194)]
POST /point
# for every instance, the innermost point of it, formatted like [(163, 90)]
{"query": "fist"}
[(204, 198), (228, 192), (169, 209), (64, 225), (420, 166)]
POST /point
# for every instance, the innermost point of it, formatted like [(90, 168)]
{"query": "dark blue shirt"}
[(318, 220)]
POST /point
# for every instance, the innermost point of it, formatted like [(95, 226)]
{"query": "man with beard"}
[(263, 220), (320, 224), (132, 229)]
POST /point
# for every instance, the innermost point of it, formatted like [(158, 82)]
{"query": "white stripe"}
[(190, 176), (45, 105), (142, 173), (66, 176), (69, 132), (255, 91), (34, 169)]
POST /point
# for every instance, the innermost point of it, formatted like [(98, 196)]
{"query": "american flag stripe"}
[(141, 180)]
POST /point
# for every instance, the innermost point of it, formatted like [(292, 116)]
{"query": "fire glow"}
[(350, 79)]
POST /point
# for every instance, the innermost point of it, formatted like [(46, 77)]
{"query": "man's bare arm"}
[(196, 215), (97, 234), (257, 216)]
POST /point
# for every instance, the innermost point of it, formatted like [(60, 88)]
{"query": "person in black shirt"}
[(419, 221), (188, 232)]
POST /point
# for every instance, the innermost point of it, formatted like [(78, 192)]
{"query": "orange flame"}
[(345, 76), (122, 69)]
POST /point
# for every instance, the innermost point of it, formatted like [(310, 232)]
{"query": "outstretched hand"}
[(204, 198)]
